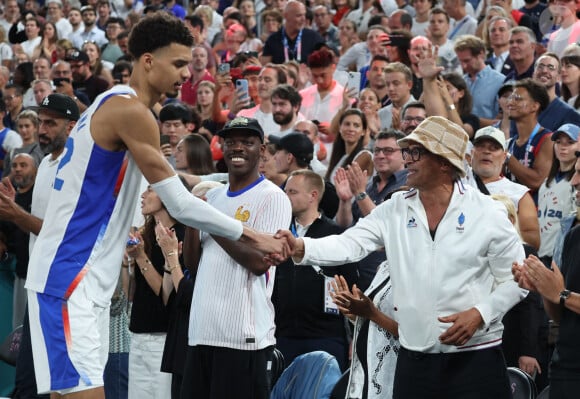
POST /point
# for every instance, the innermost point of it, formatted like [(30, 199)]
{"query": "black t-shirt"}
[(91, 87), (274, 46), (18, 239), (566, 359)]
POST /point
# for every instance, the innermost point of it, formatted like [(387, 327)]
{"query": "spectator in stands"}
[(522, 47), (412, 115), (557, 113), (321, 100), (324, 26), (285, 106), (33, 38), (347, 36), (199, 73), (293, 41), (530, 152), (348, 144), (306, 319), (271, 23), (176, 122), (558, 287), (111, 51), (149, 316), (569, 32), (362, 53), (555, 196), (91, 31), (421, 18), (268, 167), (570, 76), (27, 125), (295, 151), (480, 78), (83, 78), (499, 34), (487, 161), (463, 24), (439, 23), (56, 15), (13, 99), (270, 77), (399, 81), (41, 88)]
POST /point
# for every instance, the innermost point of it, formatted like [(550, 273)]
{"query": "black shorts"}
[(217, 373)]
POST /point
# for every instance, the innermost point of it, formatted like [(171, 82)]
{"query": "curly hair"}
[(157, 31)]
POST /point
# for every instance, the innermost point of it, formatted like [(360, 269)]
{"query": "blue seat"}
[(522, 384), (312, 375)]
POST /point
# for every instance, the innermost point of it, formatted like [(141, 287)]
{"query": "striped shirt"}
[(231, 306)]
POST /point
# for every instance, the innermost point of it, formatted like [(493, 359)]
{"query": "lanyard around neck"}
[(297, 46)]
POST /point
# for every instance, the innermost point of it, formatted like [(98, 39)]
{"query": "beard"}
[(283, 119)]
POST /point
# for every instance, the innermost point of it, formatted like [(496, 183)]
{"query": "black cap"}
[(60, 104), (77, 55), (297, 144), (507, 86), (242, 123)]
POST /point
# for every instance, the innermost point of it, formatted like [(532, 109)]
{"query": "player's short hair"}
[(156, 31)]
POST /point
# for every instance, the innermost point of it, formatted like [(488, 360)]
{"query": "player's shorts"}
[(70, 341)]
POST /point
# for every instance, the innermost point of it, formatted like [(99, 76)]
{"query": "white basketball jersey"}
[(89, 213)]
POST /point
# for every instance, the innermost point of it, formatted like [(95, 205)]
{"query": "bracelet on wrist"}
[(171, 269)]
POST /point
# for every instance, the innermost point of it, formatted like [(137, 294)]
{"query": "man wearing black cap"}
[(83, 78), (295, 151), (57, 116), (231, 323)]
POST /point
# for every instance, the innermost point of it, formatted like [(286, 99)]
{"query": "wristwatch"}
[(451, 107), (361, 196), (563, 296)]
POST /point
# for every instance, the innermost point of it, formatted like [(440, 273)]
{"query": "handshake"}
[(275, 248)]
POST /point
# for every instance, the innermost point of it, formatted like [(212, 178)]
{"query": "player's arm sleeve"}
[(194, 212)]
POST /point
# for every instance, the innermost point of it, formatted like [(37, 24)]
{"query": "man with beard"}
[(558, 113), (23, 174), (412, 115), (91, 32), (270, 77), (285, 105), (231, 323), (57, 118), (83, 78)]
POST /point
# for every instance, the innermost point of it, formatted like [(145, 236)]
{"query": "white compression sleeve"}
[(193, 212)]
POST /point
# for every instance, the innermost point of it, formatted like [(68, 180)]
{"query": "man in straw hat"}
[(450, 251)]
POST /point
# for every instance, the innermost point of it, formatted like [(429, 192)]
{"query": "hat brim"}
[(413, 137), (223, 133)]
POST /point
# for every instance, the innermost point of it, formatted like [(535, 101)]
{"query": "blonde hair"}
[(510, 208)]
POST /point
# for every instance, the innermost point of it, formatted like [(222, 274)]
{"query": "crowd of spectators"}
[(333, 87)]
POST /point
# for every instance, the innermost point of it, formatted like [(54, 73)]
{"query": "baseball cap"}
[(440, 137), (491, 133), (569, 130), (241, 123), (60, 104), (77, 55), (296, 143)]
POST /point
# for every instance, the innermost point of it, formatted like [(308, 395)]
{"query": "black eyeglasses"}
[(385, 150), (414, 153), (410, 119)]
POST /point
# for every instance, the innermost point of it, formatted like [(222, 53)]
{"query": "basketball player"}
[(74, 265)]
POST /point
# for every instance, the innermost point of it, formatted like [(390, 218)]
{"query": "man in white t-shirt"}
[(231, 324), (55, 15), (487, 160)]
